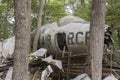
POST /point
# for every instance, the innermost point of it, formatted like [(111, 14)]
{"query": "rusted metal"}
[(117, 75), (115, 72), (77, 64), (68, 66), (110, 62)]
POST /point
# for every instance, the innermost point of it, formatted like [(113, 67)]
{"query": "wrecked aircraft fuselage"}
[(68, 35)]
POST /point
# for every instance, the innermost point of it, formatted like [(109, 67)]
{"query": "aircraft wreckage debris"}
[(67, 46)]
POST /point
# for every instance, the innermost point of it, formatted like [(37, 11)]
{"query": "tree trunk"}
[(29, 20), (97, 38), (22, 41), (39, 23), (44, 12)]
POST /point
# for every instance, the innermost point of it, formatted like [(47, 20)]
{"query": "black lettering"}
[(70, 38), (77, 42)]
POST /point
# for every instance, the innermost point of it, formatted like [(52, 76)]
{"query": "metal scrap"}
[(82, 77), (57, 63), (111, 77), (46, 73), (39, 53)]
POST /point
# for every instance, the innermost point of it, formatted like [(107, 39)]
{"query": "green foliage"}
[(116, 41), (55, 10), (113, 15), (113, 19), (83, 9), (6, 12), (34, 6)]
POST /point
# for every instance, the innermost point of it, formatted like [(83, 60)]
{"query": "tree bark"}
[(97, 38), (39, 23), (44, 12), (29, 21), (22, 41)]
